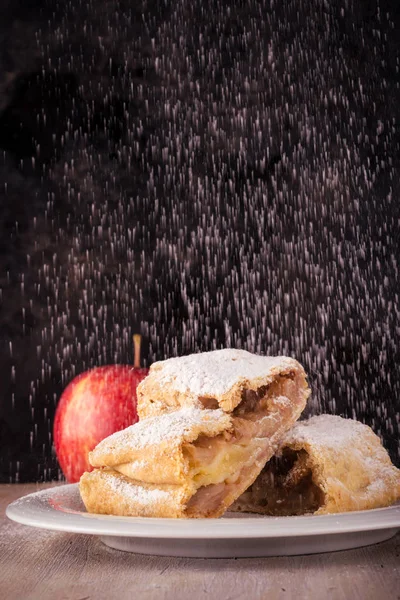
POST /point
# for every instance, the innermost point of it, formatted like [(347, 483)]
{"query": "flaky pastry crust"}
[(151, 451), (332, 465), (218, 379)]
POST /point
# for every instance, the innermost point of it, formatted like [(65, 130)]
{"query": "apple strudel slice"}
[(326, 464), (193, 462), (228, 379)]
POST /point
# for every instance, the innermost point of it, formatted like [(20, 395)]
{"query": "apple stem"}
[(137, 342)]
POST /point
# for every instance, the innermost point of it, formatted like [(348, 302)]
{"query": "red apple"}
[(93, 406)]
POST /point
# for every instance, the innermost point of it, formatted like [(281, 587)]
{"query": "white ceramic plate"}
[(234, 535)]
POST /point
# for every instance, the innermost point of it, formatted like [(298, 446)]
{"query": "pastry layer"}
[(152, 450), (326, 465), (104, 491), (218, 379), (207, 456)]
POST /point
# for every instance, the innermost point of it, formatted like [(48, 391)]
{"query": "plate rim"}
[(34, 510)]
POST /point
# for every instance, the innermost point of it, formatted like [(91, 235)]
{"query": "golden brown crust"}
[(211, 379), (347, 462), (151, 450), (358, 475), (107, 492)]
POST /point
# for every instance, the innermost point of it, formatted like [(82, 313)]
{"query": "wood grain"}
[(37, 564)]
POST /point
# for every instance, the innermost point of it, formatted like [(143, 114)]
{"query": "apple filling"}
[(284, 487), (212, 460), (221, 465)]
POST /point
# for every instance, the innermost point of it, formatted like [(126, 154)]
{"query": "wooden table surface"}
[(59, 566)]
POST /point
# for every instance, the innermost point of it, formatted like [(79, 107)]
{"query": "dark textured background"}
[(209, 173)]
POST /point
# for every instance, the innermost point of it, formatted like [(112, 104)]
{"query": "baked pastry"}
[(326, 464), (228, 379), (192, 462)]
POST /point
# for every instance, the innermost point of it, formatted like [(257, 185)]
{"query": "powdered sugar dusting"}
[(347, 436), (174, 427), (137, 494), (328, 431), (215, 373), (338, 434)]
